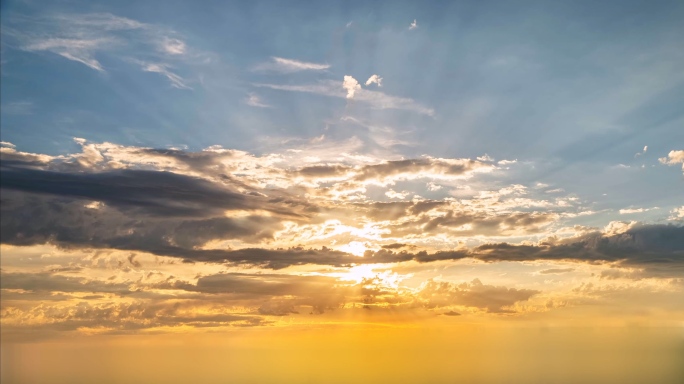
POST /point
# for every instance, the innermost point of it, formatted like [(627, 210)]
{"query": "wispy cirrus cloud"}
[(253, 100), (79, 50), (90, 38), (283, 65), (163, 69), (375, 99)]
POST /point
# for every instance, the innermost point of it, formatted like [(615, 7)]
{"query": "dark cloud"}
[(396, 246), (49, 282), (556, 271), (451, 313), (151, 192), (415, 167)]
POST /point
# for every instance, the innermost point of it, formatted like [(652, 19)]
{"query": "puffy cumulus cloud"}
[(677, 213), (225, 206), (673, 158), (374, 79), (491, 298), (351, 85)]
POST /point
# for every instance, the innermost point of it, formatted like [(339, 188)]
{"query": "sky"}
[(398, 191)]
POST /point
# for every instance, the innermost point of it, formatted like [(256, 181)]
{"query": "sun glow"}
[(355, 248)]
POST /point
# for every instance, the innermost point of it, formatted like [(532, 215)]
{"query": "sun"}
[(359, 273), (356, 248)]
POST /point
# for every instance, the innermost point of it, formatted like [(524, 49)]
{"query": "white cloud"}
[(79, 50), (374, 79), (628, 211), (677, 213), (255, 101), (485, 157), (642, 152), (173, 46), (673, 158), (163, 69), (105, 21), (376, 99), (507, 162), (413, 25), (392, 194), (351, 85), (279, 64), (82, 37)]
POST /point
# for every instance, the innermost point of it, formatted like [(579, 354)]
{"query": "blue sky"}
[(573, 91)]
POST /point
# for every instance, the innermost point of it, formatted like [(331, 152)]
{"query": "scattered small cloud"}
[(642, 152), (451, 313), (173, 46), (485, 157), (163, 69), (376, 99), (282, 65), (351, 85), (413, 25), (374, 79), (673, 158), (677, 213), (254, 100), (79, 50), (628, 211), (556, 271)]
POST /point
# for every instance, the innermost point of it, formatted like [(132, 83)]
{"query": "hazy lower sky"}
[(351, 191)]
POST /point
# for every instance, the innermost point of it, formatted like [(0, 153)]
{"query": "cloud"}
[(556, 271), (677, 213), (279, 64), (87, 38), (374, 79), (642, 152), (413, 25), (231, 206), (163, 69), (673, 158), (375, 99), (628, 211), (173, 46), (491, 298), (351, 85), (79, 50), (254, 100)]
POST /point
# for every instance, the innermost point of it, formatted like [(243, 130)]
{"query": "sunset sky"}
[(342, 191)]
